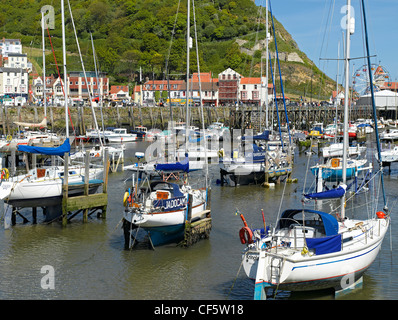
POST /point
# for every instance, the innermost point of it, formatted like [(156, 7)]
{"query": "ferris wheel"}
[(361, 83)]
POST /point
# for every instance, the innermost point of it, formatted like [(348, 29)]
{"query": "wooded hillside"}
[(129, 34)]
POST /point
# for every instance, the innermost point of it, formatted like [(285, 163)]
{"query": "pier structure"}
[(300, 117), (86, 203), (66, 207), (234, 116)]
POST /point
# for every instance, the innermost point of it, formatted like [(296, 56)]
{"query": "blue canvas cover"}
[(177, 166), (169, 186), (58, 151), (330, 223), (325, 244), (262, 136), (329, 194)]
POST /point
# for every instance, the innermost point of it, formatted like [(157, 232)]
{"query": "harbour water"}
[(88, 260)]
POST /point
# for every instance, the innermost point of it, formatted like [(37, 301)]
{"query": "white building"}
[(54, 92), (17, 60), (119, 93), (10, 46), (385, 99), (14, 82)]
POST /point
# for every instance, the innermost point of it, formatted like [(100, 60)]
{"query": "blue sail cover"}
[(58, 151), (329, 194), (329, 222), (325, 244), (262, 136), (177, 166)]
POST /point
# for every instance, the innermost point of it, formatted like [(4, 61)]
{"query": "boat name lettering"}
[(171, 203), (5, 186), (252, 256)]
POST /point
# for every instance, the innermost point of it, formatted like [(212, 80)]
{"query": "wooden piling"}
[(85, 202), (199, 229)]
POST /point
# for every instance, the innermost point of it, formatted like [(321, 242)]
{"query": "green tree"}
[(234, 57)]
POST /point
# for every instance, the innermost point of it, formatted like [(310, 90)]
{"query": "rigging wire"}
[(59, 76)]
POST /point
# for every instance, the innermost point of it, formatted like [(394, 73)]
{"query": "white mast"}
[(266, 64), (187, 92), (65, 75), (349, 31), (44, 66)]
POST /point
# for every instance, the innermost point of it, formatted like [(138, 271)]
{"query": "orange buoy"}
[(381, 215)]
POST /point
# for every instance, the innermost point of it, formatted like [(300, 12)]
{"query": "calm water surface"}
[(90, 263)]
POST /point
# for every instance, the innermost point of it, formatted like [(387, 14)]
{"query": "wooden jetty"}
[(67, 206), (86, 203)]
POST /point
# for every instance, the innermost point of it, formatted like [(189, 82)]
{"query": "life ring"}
[(5, 174), (9, 138), (246, 235)]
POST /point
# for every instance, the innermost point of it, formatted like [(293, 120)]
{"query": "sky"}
[(316, 29)]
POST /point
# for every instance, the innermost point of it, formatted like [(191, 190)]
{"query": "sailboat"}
[(163, 208), (310, 249), (44, 185), (264, 156), (332, 170), (247, 163)]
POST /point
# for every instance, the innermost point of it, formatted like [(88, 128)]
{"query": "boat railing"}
[(296, 226)]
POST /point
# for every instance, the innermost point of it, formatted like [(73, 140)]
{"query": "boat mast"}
[(65, 75), (373, 104), (200, 96), (337, 92), (266, 64), (187, 88), (99, 88), (44, 65), (89, 86), (349, 30)]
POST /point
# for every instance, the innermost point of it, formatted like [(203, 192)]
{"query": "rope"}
[(233, 284)]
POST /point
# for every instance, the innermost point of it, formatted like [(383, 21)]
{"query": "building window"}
[(244, 87)]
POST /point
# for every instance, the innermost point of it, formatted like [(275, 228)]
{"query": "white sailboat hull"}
[(27, 187), (121, 139), (290, 269), (164, 219), (336, 150)]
